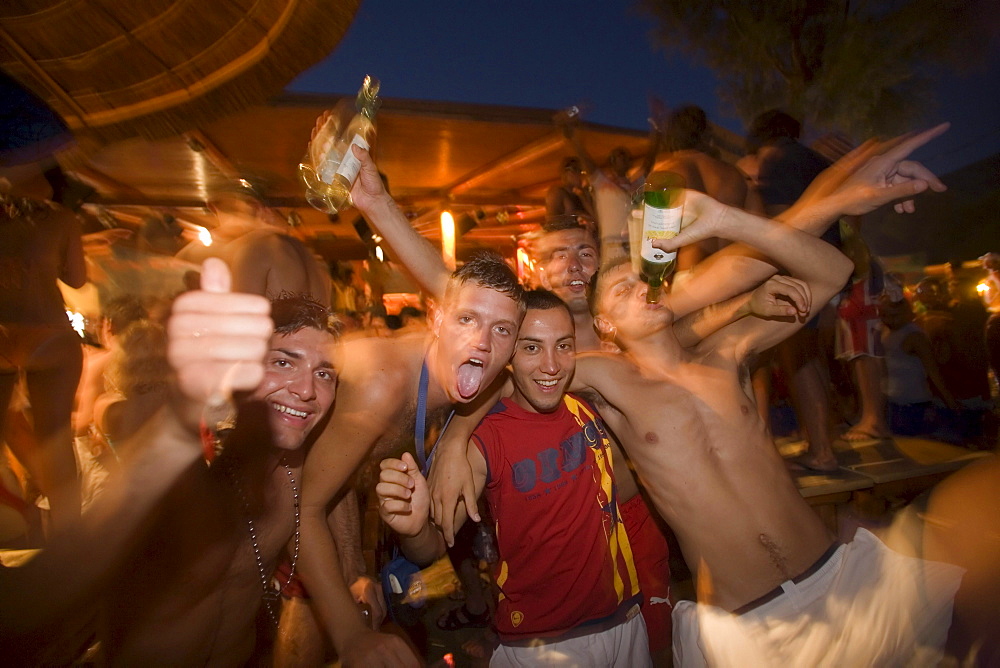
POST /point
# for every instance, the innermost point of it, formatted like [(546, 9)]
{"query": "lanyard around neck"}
[(420, 426)]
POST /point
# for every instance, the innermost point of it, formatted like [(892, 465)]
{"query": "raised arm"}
[(404, 504), (869, 177), (415, 252), (569, 124)]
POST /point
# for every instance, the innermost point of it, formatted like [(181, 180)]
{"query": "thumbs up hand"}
[(217, 340)]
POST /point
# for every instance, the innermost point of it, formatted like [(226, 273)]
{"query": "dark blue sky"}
[(532, 53)]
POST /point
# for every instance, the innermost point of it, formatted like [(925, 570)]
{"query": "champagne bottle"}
[(329, 168), (662, 207)]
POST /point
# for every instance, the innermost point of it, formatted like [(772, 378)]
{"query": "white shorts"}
[(867, 605), (624, 646)]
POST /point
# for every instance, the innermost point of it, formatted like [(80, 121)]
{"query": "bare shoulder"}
[(602, 372), (382, 372), (257, 242)]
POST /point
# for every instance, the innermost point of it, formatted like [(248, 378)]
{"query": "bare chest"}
[(700, 408)]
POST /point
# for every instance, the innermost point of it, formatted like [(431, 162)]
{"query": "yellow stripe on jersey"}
[(502, 580), (618, 542)]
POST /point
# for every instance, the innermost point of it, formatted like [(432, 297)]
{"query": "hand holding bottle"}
[(369, 188), (662, 210), (703, 218)]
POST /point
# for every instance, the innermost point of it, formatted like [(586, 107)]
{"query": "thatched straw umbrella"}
[(156, 68)]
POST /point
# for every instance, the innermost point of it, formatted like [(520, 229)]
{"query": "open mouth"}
[(289, 411), (547, 384), (470, 377)]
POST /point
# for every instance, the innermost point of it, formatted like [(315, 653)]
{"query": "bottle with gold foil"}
[(662, 209), (329, 168)]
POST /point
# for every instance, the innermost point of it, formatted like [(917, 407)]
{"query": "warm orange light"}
[(448, 239), (204, 236), (982, 287), (525, 267)]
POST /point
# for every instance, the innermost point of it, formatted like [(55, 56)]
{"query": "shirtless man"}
[(686, 420), (686, 138), (191, 590), (568, 257), (472, 333), (181, 554)]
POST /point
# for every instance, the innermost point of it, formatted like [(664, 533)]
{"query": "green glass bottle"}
[(662, 208)]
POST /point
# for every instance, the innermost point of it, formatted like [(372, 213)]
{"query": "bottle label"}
[(350, 165), (329, 166), (659, 224)]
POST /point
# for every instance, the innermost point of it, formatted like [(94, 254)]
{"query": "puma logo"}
[(653, 600)]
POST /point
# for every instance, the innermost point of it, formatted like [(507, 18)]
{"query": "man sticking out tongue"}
[(470, 376), (388, 386)]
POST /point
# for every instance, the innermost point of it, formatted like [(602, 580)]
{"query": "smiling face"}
[(475, 331), (299, 384), (544, 359), (622, 306), (569, 259)]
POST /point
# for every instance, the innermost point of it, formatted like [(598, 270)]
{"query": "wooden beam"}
[(527, 153), (198, 142)]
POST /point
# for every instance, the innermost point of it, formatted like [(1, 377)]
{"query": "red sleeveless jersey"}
[(565, 560)]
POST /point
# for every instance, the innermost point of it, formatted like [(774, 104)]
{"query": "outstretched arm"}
[(865, 179), (359, 419), (213, 334), (822, 268)]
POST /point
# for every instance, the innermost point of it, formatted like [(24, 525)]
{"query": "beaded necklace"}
[(269, 592)]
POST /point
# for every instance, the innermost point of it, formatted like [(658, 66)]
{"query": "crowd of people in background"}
[(832, 348)]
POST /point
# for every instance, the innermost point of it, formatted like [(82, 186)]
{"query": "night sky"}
[(554, 54)]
